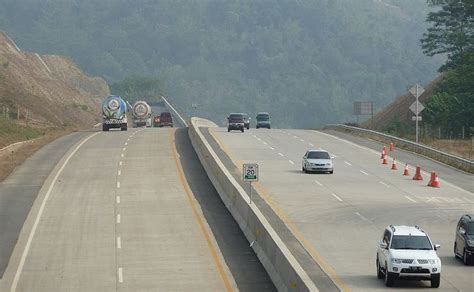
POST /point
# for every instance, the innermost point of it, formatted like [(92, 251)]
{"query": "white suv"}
[(407, 252)]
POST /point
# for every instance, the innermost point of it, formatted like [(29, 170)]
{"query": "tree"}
[(452, 31)]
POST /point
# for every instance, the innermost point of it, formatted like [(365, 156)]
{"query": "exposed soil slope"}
[(52, 88), (399, 110)]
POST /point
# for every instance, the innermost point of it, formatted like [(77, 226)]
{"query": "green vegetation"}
[(452, 33), (137, 87), (305, 61), (10, 132)]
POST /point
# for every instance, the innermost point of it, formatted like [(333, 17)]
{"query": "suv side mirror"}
[(333, 157), (383, 245), (437, 246)]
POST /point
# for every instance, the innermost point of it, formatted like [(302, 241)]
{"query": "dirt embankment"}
[(52, 88), (42, 97)]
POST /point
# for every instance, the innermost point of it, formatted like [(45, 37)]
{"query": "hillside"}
[(52, 88), (398, 110), (305, 61)]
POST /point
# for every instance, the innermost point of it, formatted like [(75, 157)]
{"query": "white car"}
[(407, 252), (317, 160)]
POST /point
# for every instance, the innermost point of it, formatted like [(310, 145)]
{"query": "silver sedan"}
[(318, 160)]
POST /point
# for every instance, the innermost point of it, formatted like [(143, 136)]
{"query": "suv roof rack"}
[(419, 228)]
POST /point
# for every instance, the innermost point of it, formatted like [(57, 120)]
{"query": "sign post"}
[(250, 173), (416, 91)]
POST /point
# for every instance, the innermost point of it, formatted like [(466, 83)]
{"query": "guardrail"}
[(284, 270), (450, 159), (174, 112)]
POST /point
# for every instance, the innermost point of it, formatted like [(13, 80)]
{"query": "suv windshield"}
[(263, 117), (236, 117), (410, 242), (318, 155)]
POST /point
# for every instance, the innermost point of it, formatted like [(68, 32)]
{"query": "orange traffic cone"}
[(433, 174), (435, 183), (418, 173), (392, 147), (394, 164), (384, 161), (384, 152), (406, 172)]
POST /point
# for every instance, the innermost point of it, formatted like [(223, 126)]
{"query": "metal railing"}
[(174, 112), (450, 159)]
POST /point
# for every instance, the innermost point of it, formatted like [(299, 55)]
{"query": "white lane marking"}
[(295, 137), (348, 163), (118, 199), (40, 213), (128, 139), (124, 148), (320, 184), (337, 197), (118, 218), (384, 184), (272, 148), (281, 154), (126, 143), (311, 144), (410, 199), (118, 185), (255, 136), (121, 155), (291, 162), (363, 172), (120, 163), (119, 242), (265, 143), (301, 140), (378, 153), (119, 172), (120, 275), (362, 217)]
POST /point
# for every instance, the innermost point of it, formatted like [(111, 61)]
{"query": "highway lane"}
[(119, 213), (340, 217)]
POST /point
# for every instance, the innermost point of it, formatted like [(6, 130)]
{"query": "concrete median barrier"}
[(284, 270)]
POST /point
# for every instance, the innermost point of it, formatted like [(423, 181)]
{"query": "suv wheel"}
[(379, 270), (389, 278), (455, 250), (228, 130), (465, 257), (435, 279)]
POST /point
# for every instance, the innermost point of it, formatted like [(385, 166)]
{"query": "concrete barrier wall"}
[(450, 159), (285, 272)]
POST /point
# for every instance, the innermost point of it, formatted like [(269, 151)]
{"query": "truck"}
[(141, 113), (114, 113), (263, 120)]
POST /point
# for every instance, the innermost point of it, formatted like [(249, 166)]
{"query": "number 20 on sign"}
[(250, 173)]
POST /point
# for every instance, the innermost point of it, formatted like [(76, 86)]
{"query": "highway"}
[(340, 218), (124, 211)]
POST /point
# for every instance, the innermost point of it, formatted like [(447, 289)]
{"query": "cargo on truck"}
[(114, 113), (141, 113)]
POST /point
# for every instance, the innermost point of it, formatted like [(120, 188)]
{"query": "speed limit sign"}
[(250, 172)]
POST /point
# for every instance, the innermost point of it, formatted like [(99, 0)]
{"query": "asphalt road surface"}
[(339, 218), (128, 211)]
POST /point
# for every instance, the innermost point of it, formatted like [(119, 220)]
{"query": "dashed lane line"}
[(281, 154), (320, 184), (381, 182), (290, 161), (120, 275), (336, 196), (410, 199), (348, 163), (119, 242), (118, 185), (362, 217), (119, 219), (363, 172), (117, 199), (271, 148)]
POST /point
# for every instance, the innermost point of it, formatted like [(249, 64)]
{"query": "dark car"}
[(464, 242), (246, 121), (166, 119), (235, 122)]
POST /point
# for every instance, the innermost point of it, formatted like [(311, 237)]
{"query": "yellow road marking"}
[(284, 217), (198, 216)]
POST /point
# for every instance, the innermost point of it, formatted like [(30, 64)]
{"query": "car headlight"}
[(432, 262), (470, 242), (397, 261)]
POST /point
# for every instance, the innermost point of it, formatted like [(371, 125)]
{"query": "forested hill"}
[(305, 61)]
